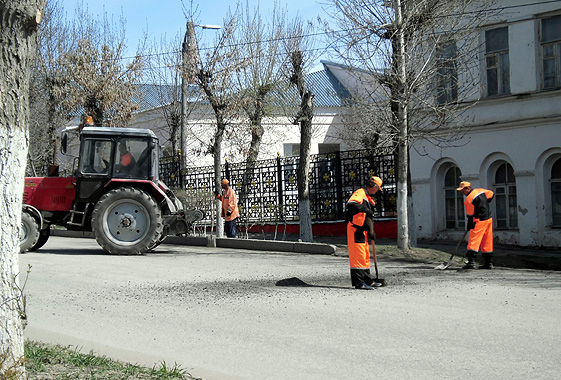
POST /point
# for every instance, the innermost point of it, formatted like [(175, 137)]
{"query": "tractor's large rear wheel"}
[(127, 221), (29, 233)]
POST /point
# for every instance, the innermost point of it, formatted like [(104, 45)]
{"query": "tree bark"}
[(403, 137), (19, 21), (217, 155), (304, 118), (305, 213), (219, 109)]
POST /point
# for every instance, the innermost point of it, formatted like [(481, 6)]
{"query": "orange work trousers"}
[(481, 237), (357, 242)]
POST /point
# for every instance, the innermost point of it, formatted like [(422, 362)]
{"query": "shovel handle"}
[(371, 227), (461, 240)]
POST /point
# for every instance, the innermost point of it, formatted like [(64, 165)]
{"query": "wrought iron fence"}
[(268, 192)]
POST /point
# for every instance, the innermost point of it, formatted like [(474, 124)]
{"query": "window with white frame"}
[(556, 193), (497, 61), (505, 197), (446, 73), (291, 150), (454, 200), (551, 51)]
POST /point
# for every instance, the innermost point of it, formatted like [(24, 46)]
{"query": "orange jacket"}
[(229, 204), (359, 206)]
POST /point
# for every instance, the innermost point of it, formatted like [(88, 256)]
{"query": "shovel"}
[(371, 226), (446, 265)]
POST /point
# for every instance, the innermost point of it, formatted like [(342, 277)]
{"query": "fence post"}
[(279, 180), (181, 171), (227, 170), (339, 185)]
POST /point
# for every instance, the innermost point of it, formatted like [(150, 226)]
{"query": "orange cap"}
[(225, 181), (463, 185), (375, 181)]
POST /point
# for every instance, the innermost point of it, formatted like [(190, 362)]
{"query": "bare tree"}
[(259, 44), (259, 79), (215, 75), (165, 75), (296, 45), (19, 21), (100, 83), (416, 81), (46, 77)]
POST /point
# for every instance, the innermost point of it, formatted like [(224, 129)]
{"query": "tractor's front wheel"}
[(44, 235), (127, 221), (29, 233)]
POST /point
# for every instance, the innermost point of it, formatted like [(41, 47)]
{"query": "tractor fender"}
[(155, 191), (35, 212)]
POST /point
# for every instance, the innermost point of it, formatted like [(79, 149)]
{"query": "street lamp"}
[(189, 65)]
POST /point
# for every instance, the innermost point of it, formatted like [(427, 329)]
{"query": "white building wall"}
[(327, 127), (523, 129)]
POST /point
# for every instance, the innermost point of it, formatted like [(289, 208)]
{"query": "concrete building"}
[(281, 136), (512, 144)]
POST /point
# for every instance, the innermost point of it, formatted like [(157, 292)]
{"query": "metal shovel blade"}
[(447, 264), (380, 281)]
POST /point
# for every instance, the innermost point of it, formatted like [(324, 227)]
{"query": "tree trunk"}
[(403, 138), (219, 108), (217, 154), (19, 22), (304, 211), (304, 118)]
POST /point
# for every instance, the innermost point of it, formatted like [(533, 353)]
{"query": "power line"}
[(323, 33)]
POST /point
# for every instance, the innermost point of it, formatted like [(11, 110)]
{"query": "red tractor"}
[(114, 191)]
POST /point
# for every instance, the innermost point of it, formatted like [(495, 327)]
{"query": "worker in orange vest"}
[(480, 224), (359, 207), (230, 211)]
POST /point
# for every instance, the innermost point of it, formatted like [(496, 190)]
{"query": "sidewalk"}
[(504, 255), (507, 255)]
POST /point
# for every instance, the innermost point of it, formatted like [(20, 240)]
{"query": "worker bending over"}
[(480, 224), (359, 207)]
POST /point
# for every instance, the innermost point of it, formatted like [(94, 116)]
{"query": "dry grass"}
[(49, 362)]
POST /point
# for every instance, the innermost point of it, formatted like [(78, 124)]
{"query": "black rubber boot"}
[(487, 260), (471, 260)]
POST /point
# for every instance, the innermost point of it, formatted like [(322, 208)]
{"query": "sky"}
[(167, 17)]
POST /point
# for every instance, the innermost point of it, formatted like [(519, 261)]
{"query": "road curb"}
[(254, 244), (212, 241)]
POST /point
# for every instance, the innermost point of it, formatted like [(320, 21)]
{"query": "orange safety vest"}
[(359, 197), (483, 212)]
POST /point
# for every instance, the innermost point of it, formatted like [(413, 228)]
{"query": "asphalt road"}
[(219, 314)]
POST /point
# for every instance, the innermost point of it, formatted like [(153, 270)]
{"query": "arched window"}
[(556, 193), (505, 197), (455, 216)]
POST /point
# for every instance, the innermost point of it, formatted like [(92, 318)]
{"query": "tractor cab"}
[(109, 154)]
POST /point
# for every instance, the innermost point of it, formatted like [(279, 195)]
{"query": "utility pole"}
[(188, 73), (189, 63)]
